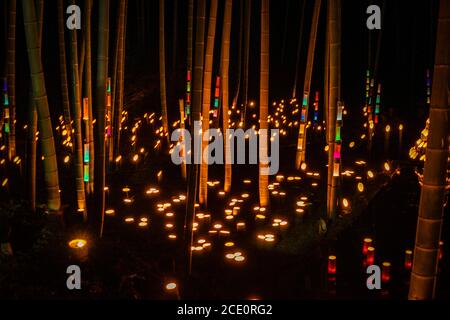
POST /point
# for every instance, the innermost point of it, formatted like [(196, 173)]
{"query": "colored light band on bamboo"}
[(339, 112), (189, 75), (302, 128), (6, 113), (6, 99), (86, 173), (5, 85), (108, 85), (337, 151), (303, 115), (6, 127), (86, 153), (305, 100), (338, 133), (85, 108), (316, 107), (108, 99), (217, 96), (336, 169)]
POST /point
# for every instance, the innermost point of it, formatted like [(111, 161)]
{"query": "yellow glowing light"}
[(171, 286), (345, 203), (77, 243), (360, 187), (387, 167), (370, 174)]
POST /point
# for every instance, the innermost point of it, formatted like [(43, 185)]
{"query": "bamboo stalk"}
[(302, 135), (11, 76), (433, 197), (102, 74), (76, 114), (40, 97), (206, 101), (264, 103), (224, 70)]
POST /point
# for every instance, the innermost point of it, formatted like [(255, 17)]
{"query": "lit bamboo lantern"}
[(241, 226), (386, 272), (367, 242), (370, 257), (332, 264), (79, 249), (408, 259)]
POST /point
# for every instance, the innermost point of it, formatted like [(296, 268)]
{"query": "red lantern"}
[(332, 265)]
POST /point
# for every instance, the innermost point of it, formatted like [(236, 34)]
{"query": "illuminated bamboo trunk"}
[(76, 115), (206, 102), (239, 71), (334, 48), (40, 97), (33, 122), (224, 70), (433, 198), (264, 103), (88, 93), (301, 142), (11, 70), (196, 116), (63, 69), (117, 102), (162, 71), (182, 127), (248, 16), (102, 74)]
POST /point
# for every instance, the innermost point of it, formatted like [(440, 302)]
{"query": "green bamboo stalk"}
[(40, 97)]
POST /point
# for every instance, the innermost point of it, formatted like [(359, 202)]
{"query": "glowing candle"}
[(79, 249), (370, 257), (332, 264), (386, 272), (367, 242), (408, 259)]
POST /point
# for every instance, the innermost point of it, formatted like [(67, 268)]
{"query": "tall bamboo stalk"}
[(207, 75), (334, 47), (11, 69), (76, 117), (162, 70), (102, 74), (40, 97), (196, 115), (120, 78), (63, 68), (88, 93), (117, 83), (239, 71), (302, 136), (224, 70), (264, 103), (433, 198), (248, 15), (33, 122)]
